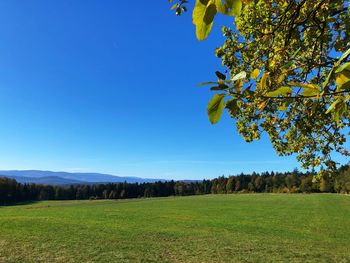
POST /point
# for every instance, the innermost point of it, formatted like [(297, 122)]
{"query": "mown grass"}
[(214, 228)]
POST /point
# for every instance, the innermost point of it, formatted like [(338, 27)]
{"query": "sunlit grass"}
[(214, 228)]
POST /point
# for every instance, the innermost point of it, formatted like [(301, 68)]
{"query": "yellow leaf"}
[(282, 91), (281, 78), (262, 105), (238, 85), (309, 88), (255, 73), (203, 17), (229, 7), (263, 81), (342, 81)]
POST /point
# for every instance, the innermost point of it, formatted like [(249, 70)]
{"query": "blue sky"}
[(92, 86)]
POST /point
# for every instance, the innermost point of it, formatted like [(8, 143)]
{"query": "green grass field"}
[(215, 228)]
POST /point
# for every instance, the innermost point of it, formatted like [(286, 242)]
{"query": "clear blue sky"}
[(109, 86)]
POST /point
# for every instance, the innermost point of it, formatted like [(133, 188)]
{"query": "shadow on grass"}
[(17, 203)]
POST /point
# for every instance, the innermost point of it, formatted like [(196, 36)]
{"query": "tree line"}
[(268, 182)]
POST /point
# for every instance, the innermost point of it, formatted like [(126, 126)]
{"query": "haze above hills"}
[(60, 178)]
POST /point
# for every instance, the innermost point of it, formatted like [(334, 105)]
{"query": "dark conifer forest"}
[(268, 182)]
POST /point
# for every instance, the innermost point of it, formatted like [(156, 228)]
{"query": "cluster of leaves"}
[(205, 11), (284, 75), (179, 7)]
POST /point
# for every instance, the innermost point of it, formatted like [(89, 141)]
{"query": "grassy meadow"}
[(212, 228)]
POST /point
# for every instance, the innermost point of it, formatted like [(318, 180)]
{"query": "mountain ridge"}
[(52, 177)]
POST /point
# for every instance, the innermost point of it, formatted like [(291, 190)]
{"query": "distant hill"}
[(55, 178), (48, 180)]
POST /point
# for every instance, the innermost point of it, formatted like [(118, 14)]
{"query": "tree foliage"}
[(287, 73), (290, 182)]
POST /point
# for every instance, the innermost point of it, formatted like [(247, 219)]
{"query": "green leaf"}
[(229, 7), (173, 7), (240, 75), (203, 17), (178, 11), (287, 65), (207, 83), (295, 53), (325, 83), (220, 87), (284, 106), (344, 67), (307, 92), (309, 88), (305, 85), (280, 92), (220, 75), (232, 107), (340, 109), (333, 105), (345, 54), (215, 107)]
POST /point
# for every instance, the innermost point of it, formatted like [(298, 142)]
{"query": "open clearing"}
[(213, 228)]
